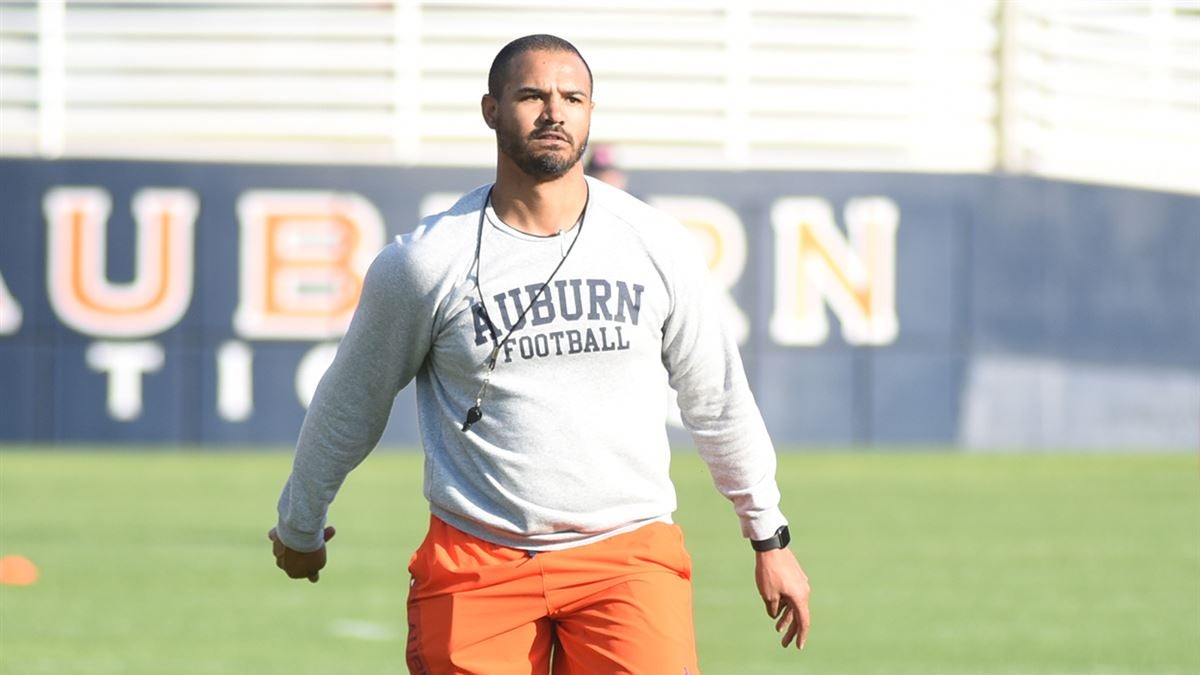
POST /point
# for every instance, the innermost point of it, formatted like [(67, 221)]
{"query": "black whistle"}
[(473, 415)]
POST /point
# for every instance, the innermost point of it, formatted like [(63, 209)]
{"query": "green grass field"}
[(157, 563)]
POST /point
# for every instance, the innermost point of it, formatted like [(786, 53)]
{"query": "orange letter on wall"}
[(722, 239), (304, 255), (814, 261), (80, 292)]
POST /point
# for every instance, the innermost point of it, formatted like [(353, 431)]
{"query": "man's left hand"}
[(783, 586)]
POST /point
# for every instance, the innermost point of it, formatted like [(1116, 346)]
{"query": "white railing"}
[(1105, 90)]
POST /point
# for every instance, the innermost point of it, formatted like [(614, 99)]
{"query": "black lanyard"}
[(475, 412)]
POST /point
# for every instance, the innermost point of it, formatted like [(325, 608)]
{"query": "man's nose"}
[(552, 111)]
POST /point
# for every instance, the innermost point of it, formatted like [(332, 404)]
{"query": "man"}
[(540, 317)]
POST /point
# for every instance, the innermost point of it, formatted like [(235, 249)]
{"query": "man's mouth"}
[(551, 136)]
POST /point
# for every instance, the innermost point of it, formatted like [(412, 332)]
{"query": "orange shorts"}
[(621, 605)]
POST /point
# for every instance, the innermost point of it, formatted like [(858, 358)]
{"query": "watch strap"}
[(780, 539)]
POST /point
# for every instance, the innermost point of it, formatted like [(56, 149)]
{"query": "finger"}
[(773, 606), (790, 634), (784, 617), (314, 577), (805, 625), (273, 535), (329, 532)]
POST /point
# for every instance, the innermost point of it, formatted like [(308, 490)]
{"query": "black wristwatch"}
[(780, 540)]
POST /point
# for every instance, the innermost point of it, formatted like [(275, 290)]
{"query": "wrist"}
[(779, 540)]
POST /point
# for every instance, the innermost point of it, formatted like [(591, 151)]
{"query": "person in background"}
[(604, 166), (539, 317)]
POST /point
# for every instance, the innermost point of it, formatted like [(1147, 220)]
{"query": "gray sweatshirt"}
[(572, 446)]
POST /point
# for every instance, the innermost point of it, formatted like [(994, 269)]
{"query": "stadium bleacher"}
[(1106, 92)]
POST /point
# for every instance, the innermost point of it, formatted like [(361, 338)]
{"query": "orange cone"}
[(16, 570)]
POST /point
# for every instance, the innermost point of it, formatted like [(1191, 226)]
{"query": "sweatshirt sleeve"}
[(380, 354), (717, 406)]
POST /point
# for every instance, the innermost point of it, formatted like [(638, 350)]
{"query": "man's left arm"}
[(719, 411)]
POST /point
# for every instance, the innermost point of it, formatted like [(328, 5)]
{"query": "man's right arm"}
[(381, 352)]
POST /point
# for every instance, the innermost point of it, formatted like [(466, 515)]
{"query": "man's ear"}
[(490, 107)]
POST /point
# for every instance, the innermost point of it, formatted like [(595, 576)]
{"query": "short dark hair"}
[(529, 43)]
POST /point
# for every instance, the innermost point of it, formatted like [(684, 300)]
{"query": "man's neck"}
[(540, 207)]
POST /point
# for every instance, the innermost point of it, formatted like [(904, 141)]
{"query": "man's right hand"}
[(297, 564)]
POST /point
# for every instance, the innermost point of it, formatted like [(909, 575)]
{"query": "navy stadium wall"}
[(145, 302)]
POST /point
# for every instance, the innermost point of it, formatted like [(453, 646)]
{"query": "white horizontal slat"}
[(890, 67), (1077, 156), (1033, 18), (279, 149), (496, 24), (1115, 85), (1115, 123), (1109, 6), (18, 19), (240, 20), (862, 158), (649, 61), (19, 88), (801, 99), (855, 159), (456, 60), (683, 97), (584, 36), (457, 152), (17, 120), (14, 146), (1082, 144), (18, 52), (234, 90), (854, 35), (1100, 52), (828, 158), (872, 8), (182, 55), (856, 132), (1133, 25), (183, 123), (670, 155), (646, 128), (445, 90), (643, 61)]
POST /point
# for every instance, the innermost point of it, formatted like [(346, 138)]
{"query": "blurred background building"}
[(1097, 90)]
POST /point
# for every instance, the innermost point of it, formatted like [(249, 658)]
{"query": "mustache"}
[(552, 132)]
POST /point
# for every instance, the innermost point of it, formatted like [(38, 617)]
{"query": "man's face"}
[(543, 116)]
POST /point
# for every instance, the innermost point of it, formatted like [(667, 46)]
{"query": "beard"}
[(544, 165)]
